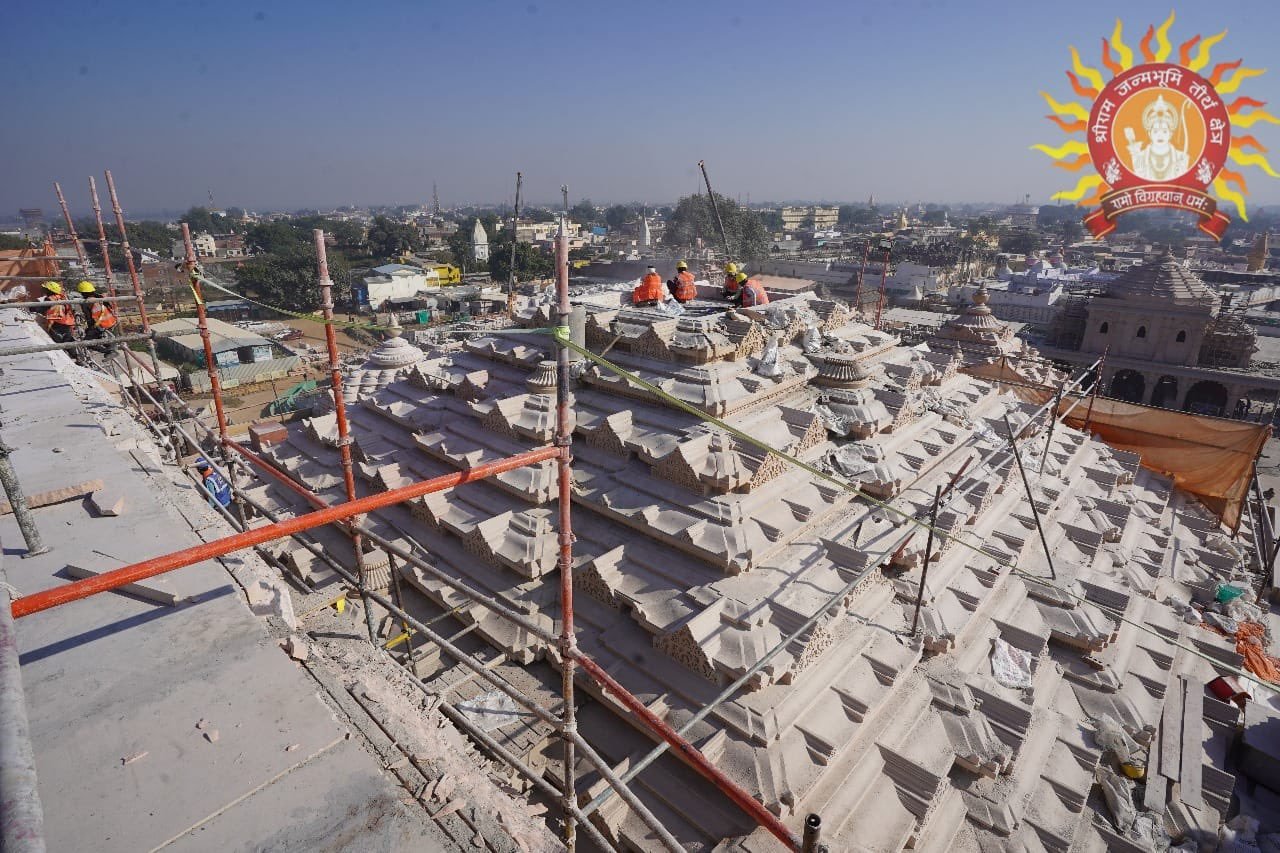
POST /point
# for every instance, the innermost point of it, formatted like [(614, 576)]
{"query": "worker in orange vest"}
[(649, 290), (99, 318), (59, 317), (750, 293), (730, 280), (682, 287)]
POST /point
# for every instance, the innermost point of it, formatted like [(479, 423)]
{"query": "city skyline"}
[(289, 106)]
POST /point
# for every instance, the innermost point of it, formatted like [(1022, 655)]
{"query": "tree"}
[(289, 279), (693, 218), (617, 215), (539, 214), (200, 219), (531, 263), (851, 215), (1019, 242), (584, 213), (460, 241), (12, 241), (771, 219), (388, 239), (935, 217)]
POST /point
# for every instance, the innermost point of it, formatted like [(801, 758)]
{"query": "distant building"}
[(479, 243), (1169, 342), (1024, 215), (810, 218), (242, 357), (396, 282), (203, 243)]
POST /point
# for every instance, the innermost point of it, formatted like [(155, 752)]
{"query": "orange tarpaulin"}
[(1212, 458), (27, 262)]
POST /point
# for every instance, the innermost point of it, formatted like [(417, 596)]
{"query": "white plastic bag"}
[(1011, 666)]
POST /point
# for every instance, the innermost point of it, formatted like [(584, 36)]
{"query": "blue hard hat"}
[(202, 464)]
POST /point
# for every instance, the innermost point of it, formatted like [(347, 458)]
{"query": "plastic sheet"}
[(1011, 666)]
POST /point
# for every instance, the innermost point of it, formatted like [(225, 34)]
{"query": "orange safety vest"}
[(648, 290), (102, 316), (685, 288), (730, 283), (60, 312), (753, 294)]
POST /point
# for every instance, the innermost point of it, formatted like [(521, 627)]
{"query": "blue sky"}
[(286, 104)]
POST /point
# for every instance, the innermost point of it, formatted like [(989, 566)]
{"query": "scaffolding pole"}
[(202, 322), (71, 228), (108, 276), (563, 442), (133, 271), (344, 430), (1031, 498), (76, 590)]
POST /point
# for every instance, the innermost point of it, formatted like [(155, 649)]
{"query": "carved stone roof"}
[(1162, 281)]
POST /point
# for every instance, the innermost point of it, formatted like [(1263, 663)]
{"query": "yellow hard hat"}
[(731, 267), (52, 287), (740, 277), (86, 287), (681, 265)]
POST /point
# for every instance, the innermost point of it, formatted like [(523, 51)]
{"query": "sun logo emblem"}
[(1158, 133)]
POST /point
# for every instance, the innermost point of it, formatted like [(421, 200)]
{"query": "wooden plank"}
[(1190, 774), (55, 496), (1157, 793), (1171, 731)]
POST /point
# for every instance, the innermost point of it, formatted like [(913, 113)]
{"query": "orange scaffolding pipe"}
[(46, 599)]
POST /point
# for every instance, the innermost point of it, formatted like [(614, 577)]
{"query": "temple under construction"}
[(707, 579)]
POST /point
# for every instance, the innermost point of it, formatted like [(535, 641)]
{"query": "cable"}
[(884, 505)]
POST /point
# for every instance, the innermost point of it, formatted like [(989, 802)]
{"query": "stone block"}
[(108, 502), (1260, 757), (266, 433)]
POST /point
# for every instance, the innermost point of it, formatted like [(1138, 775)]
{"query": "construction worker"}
[(750, 292), (682, 287), (730, 279), (218, 488), (649, 290), (99, 319), (59, 317)]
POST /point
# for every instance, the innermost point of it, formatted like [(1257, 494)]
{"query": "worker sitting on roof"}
[(59, 317), (214, 483), (730, 280), (750, 293), (649, 290), (682, 287), (99, 319)]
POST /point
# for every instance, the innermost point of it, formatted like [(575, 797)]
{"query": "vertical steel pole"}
[(22, 820), (102, 240), (133, 271), (563, 440), (1026, 484), (857, 290), (812, 840), (1053, 421), (884, 272), (1102, 367), (715, 208), (202, 322), (340, 411), (924, 568), (515, 224), (71, 229), (18, 502)]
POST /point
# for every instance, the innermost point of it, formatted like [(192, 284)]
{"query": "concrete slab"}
[(115, 685)]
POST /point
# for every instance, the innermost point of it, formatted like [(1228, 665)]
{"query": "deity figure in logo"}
[(1159, 160)]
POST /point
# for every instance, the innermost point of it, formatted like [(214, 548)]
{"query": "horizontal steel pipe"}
[(45, 303), (99, 342), (34, 603), (691, 754)]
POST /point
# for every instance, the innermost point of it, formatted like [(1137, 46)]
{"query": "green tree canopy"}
[(531, 262), (585, 213), (617, 215), (388, 239), (201, 219), (693, 218), (289, 279)]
